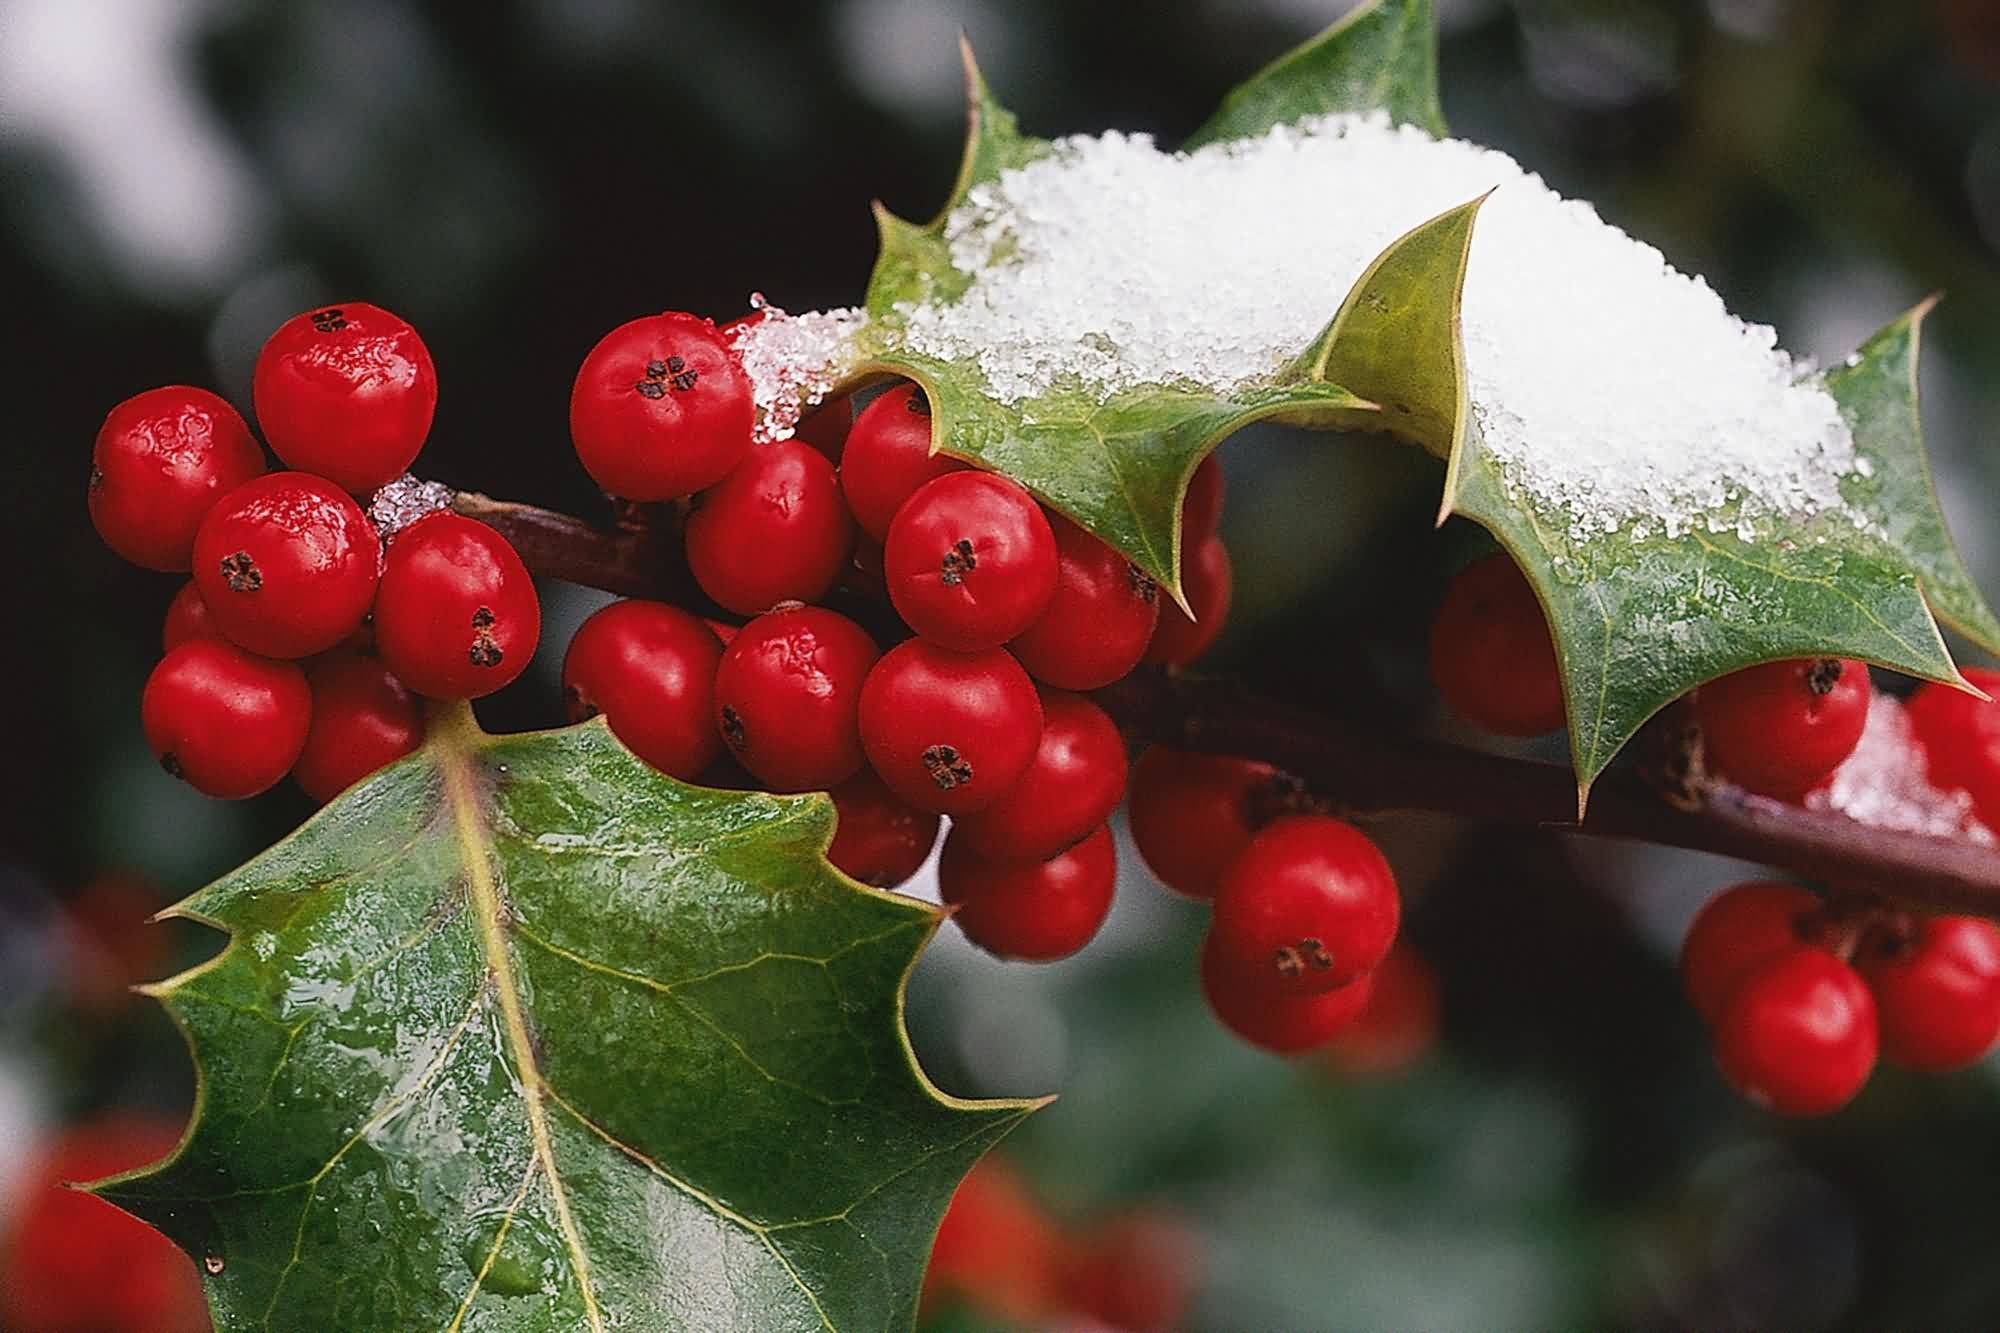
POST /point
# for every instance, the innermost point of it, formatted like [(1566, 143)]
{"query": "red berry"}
[(888, 456), (1281, 1024), (1192, 813), (1201, 507), (1398, 1025), (1072, 785), (72, 1262), (787, 697), (1781, 728), (1736, 931), (949, 731), (661, 408), (346, 392), (1797, 1035), (161, 461), (825, 428), (1960, 736), (187, 618), (773, 530), (970, 561), (228, 723), (287, 564), (880, 840), (1307, 907), (1099, 622), (650, 669), (1033, 910), (1134, 1273), (996, 1250), (457, 616), (1491, 656), (1207, 580), (363, 719), (1937, 992)]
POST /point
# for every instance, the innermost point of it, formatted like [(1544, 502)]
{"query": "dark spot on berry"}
[(651, 389), (483, 618), (172, 763), (947, 767), (958, 562), (330, 320), (684, 380), (1143, 585), (1278, 796), (485, 650), (1294, 960), (240, 572), (1823, 675), (732, 728), (656, 370), (917, 405), (96, 478), (676, 364), (576, 706)]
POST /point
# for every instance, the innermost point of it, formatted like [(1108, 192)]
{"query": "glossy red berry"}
[(773, 530), (162, 460), (1192, 813), (457, 616), (1960, 736), (1038, 911), (880, 839), (1797, 1036), (788, 695), (1098, 623), (1491, 656), (1278, 1023), (661, 408), (970, 561), (1309, 905), (1937, 991), (996, 1250), (1201, 507), (363, 719), (287, 564), (187, 618), (1736, 931), (1209, 583), (1072, 785), (1781, 728), (888, 456), (346, 392), (649, 668), (229, 723), (949, 731)]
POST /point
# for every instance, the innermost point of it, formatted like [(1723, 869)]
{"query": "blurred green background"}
[(515, 177)]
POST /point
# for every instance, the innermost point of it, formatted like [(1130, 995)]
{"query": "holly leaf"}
[(521, 1034)]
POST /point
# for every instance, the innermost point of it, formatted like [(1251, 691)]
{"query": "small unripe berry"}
[(1491, 656), (661, 408), (346, 392), (788, 696), (1797, 1035), (1208, 581), (1192, 813), (1737, 930), (949, 732), (457, 616), (1308, 906), (1098, 623), (1037, 911), (774, 530), (650, 669), (1071, 786), (287, 564), (162, 460), (1280, 1024), (970, 561), (227, 722), (363, 719), (1937, 991), (880, 839), (888, 456), (1782, 728)]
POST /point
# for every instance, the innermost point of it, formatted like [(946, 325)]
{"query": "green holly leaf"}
[(519, 1034)]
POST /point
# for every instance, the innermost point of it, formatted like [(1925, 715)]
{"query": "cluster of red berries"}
[(303, 640), (1001, 1255), (1012, 612), (1802, 993)]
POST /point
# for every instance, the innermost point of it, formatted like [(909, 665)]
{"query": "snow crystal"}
[(793, 361), (404, 501), (1609, 386), (1882, 784)]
